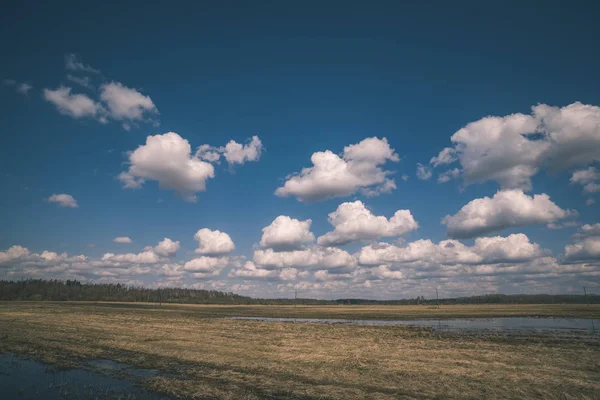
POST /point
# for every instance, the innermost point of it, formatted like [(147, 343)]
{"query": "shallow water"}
[(25, 379), (505, 324)]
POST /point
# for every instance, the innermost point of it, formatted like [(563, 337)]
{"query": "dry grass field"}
[(207, 357)]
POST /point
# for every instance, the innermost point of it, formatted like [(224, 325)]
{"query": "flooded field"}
[(506, 324), (26, 379), (196, 352)]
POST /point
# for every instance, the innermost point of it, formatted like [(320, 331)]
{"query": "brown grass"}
[(226, 359)]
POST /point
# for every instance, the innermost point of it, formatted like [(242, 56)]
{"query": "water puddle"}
[(504, 324), (22, 379)]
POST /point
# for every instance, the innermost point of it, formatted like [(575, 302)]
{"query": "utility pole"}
[(437, 297)]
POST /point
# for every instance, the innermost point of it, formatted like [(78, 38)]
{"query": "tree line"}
[(72, 290)]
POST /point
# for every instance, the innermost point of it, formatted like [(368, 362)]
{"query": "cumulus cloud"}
[(446, 156), (513, 148), (122, 239), (166, 248), (423, 172), (167, 159), (145, 257), (286, 233), (384, 272), (250, 271), (585, 176), (449, 175), (208, 153), (332, 259), (358, 168), (204, 266), (486, 250), (124, 103), (587, 249), (73, 105), (63, 200), (234, 152), (150, 255), (506, 209), (213, 242), (589, 178), (13, 253), (237, 153), (588, 230), (115, 101), (353, 221)]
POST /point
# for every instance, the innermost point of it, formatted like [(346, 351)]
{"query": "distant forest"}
[(55, 290)]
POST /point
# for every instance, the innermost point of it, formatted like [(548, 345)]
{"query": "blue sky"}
[(303, 79)]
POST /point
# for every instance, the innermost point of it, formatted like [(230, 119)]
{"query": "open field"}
[(205, 357), (384, 312)]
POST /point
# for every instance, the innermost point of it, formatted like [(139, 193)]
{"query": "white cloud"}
[(236, 153), (420, 253), (512, 149), (423, 172), (13, 253), (250, 271), (506, 209), (208, 153), (449, 175), (122, 239), (587, 249), (73, 64), (145, 257), (592, 188), (166, 248), (353, 221), (384, 272), (573, 132), (150, 255), (332, 259), (213, 242), (589, 202), (446, 156), (115, 100), (359, 168), (589, 178), (204, 266), (63, 200), (588, 230), (167, 159), (74, 105), (585, 176), (124, 103), (287, 233)]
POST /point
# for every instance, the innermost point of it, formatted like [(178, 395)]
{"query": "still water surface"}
[(26, 380), (505, 324)]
